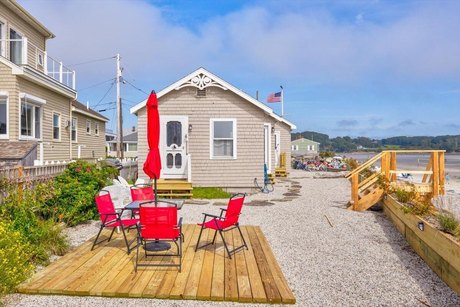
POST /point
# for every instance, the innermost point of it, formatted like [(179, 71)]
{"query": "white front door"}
[(277, 148), (173, 142)]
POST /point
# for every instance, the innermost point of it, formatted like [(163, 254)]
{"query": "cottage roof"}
[(201, 78), (301, 140), (81, 108), (128, 138)]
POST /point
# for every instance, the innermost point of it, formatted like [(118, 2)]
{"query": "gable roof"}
[(18, 9), (303, 140), (82, 109), (201, 78)]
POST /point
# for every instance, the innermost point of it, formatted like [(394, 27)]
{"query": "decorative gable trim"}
[(201, 81)]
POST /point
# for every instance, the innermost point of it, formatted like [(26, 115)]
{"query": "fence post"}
[(435, 164), (355, 190), (393, 165), (442, 175), (20, 181)]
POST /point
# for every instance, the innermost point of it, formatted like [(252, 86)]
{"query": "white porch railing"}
[(24, 53)]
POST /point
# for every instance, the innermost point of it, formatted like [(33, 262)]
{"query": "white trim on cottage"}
[(201, 78)]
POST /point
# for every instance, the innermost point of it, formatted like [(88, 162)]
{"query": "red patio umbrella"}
[(152, 165)]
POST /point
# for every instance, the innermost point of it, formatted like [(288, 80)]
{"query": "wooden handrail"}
[(364, 165)]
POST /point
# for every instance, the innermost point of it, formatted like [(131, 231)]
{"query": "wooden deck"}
[(251, 275)]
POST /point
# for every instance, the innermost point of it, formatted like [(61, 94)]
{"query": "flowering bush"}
[(15, 265)]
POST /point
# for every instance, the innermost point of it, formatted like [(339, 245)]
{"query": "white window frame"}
[(96, 129), (86, 127), (76, 129), (211, 138), (3, 35), (36, 102), (59, 127), (23, 53), (7, 98)]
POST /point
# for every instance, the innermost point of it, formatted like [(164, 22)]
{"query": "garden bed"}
[(439, 250)]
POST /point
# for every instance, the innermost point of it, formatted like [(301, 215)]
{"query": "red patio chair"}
[(225, 223), (159, 224), (141, 192), (110, 218)]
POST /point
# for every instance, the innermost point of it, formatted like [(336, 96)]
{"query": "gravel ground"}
[(360, 260)]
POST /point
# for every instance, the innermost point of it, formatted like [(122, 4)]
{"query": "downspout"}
[(70, 130)]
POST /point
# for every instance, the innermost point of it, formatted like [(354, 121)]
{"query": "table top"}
[(134, 205)]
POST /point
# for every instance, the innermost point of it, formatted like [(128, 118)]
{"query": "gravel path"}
[(361, 260)]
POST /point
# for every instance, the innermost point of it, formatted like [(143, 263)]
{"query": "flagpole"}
[(282, 101)]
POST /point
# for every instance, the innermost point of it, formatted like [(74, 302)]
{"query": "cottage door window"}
[(173, 146)]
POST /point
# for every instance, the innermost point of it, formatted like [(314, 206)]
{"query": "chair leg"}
[(111, 234), (199, 237), (137, 255), (225, 244), (126, 239), (180, 255), (241, 234), (214, 238), (97, 237)]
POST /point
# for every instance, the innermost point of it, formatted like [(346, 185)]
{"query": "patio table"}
[(156, 246)]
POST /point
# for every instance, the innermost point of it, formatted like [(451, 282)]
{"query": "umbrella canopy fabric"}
[(152, 165)]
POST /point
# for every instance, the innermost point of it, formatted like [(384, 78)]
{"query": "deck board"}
[(251, 275)]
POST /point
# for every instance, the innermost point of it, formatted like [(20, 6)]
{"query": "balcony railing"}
[(23, 53)]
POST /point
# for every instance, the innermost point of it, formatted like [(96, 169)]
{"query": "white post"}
[(60, 71), (45, 62), (42, 157), (189, 168), (73, 79), (24, 51)]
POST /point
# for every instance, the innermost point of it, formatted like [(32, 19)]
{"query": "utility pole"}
[(119, 112)]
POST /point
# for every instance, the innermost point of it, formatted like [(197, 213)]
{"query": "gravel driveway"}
[(360, 260)]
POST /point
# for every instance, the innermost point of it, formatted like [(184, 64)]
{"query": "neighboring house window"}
[(132, 147), (3, 115), (31, 116), (312, 147), (223, 138), (15, 47), (113, 146), (96, 128), (74, 129), (56, 126), (88, 126), (2, 38)]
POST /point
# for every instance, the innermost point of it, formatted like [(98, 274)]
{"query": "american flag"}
[(274, 97)]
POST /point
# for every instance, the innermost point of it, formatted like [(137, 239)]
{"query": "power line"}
[(92, 61), (97, 84), (105, 95), (140, 90)]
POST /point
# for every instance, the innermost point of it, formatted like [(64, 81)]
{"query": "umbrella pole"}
[(156, 197)]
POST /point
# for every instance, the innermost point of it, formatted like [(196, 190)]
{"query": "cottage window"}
[(2, 38), (74, 129), (56, 126), (31, 116), (3, 115), (96, 128), (132, 147), (88, 126), (312, 147), (223, 138)]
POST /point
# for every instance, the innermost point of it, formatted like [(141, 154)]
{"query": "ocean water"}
[(415, 161)]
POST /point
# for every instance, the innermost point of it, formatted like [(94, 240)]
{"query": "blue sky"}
[(359, 68)]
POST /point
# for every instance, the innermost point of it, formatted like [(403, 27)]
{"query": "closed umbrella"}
[(152, 165)]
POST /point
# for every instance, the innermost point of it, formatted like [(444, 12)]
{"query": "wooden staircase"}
[(281, 170), (367, 191), (174, 188)]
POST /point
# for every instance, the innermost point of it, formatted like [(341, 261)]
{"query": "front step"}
[(281, 172), (272, 178), (174, 188)]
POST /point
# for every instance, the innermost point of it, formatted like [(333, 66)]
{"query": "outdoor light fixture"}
[(421, 226), (190, 128), (273, 129)]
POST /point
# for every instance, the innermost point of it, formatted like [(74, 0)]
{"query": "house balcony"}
[(28, 56)]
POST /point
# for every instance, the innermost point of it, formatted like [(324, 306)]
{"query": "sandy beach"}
[(360, 260)]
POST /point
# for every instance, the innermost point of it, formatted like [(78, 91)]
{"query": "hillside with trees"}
[(450, 143)]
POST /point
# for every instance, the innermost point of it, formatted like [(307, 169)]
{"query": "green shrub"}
[(326, 154), (15, 265), (448, 222), (73, 200), (405, 195)]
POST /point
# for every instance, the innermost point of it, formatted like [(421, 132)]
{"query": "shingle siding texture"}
[(218, 103)]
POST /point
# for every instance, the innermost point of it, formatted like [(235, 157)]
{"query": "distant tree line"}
[(450, 143)]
